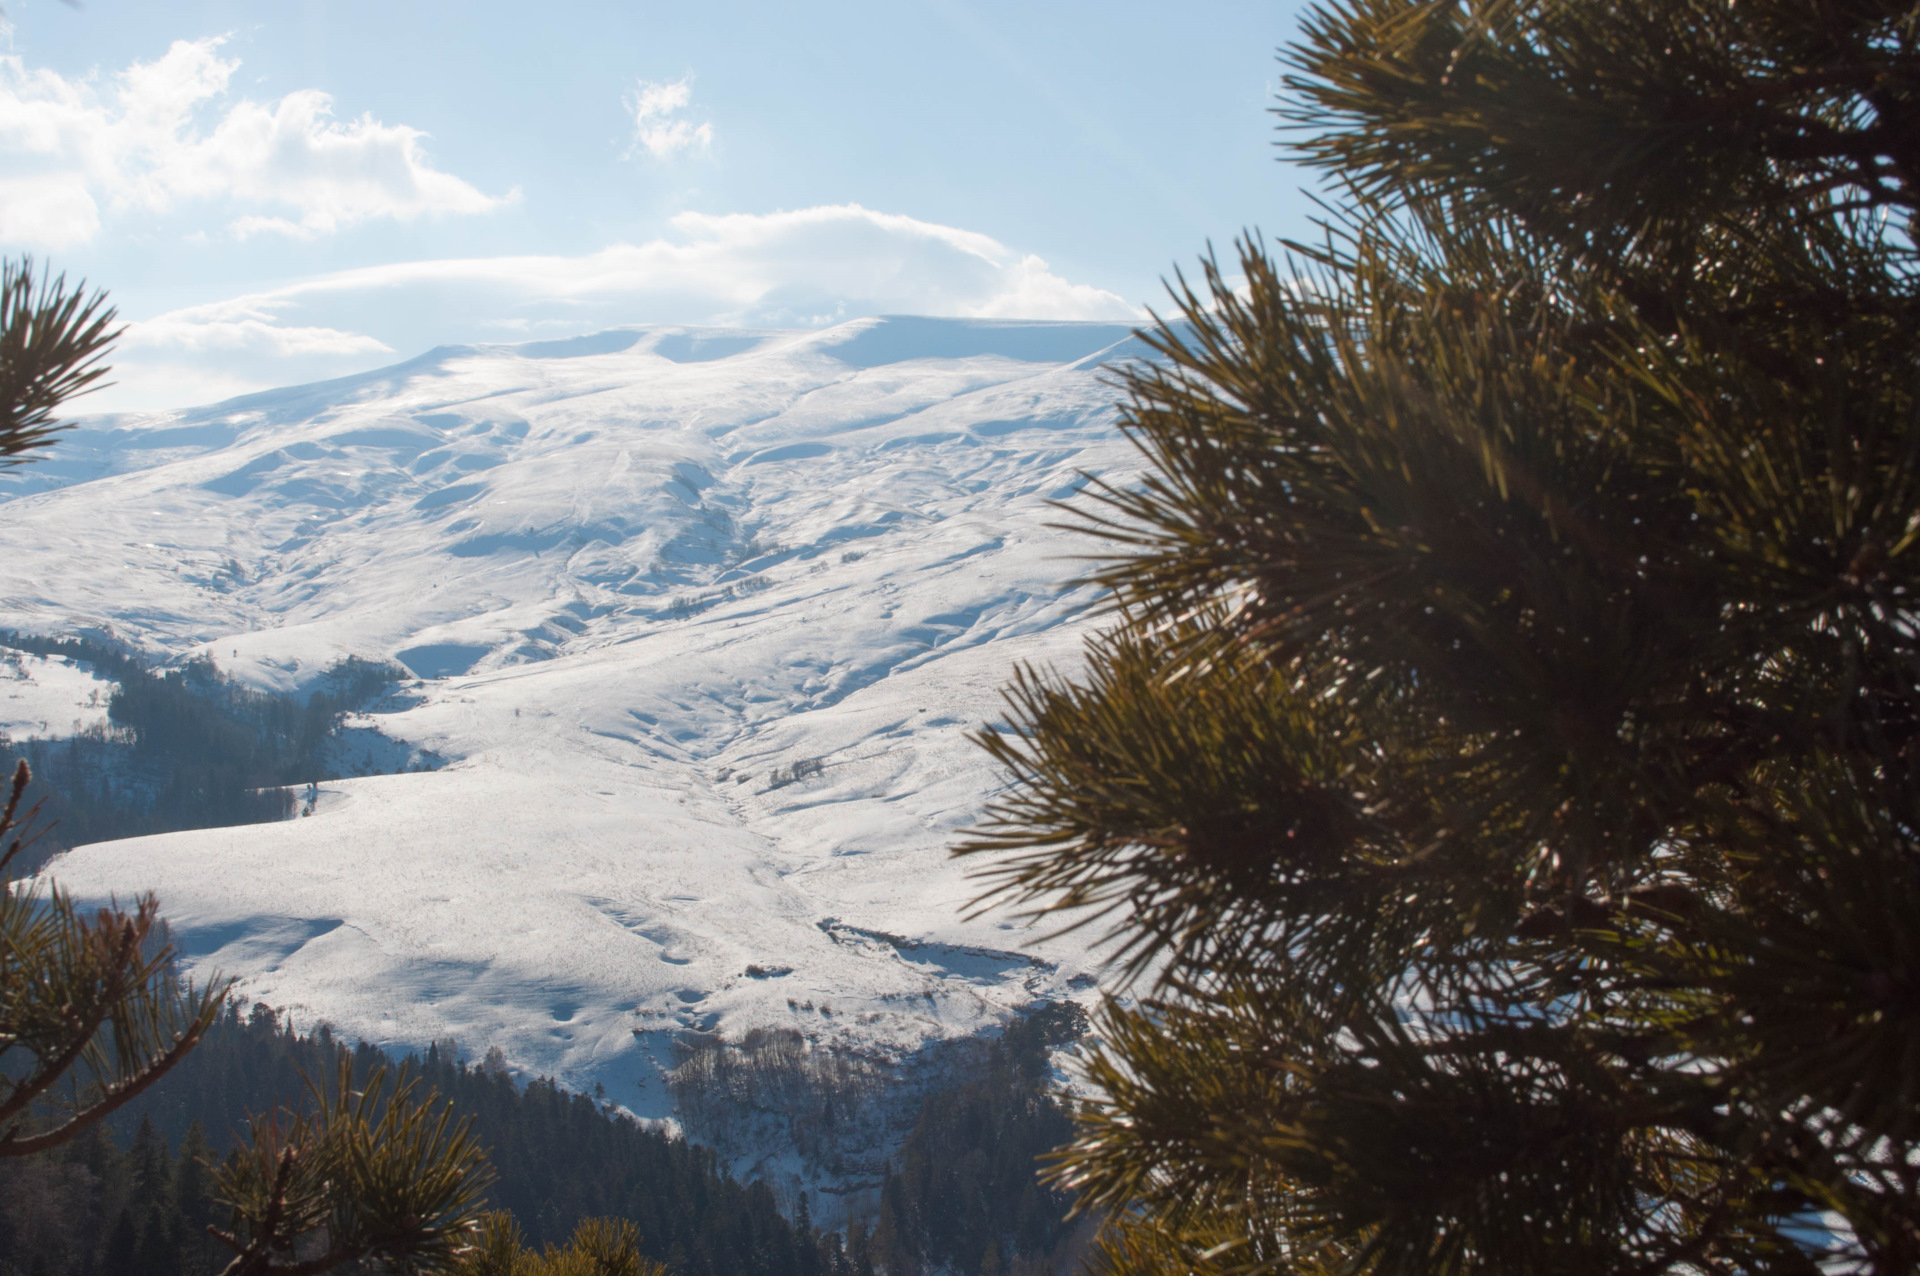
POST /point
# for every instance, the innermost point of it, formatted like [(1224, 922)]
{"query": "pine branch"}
[(52, 343), (121, 1092)]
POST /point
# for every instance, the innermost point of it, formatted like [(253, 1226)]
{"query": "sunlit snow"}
[(49, 696), (700, 619)]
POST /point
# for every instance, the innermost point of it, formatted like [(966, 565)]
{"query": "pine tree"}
[(1502, 766), (152, 1167), (158, 1250), (361, 1173), (891, 1245), (191, 1183), (859, 1253), (122, 1248)]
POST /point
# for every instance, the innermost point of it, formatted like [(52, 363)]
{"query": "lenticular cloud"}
[(804, 268)]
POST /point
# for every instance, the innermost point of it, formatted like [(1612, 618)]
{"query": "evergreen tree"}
[(1504, 757), (359, 1173), (192, 1187), (859, 1253), (123, 1245), (152, 1170), (158, 1251), (894, 1232), (968, 1184)]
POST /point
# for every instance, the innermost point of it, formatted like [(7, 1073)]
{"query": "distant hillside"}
[(700, 624)]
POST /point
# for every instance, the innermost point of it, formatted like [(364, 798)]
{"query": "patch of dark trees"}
[(964, 1197), (182, 748), (105, 1207)]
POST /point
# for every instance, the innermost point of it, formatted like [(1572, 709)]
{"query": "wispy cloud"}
[(142, 141), (806, 267), (246, 325), (657, 128)]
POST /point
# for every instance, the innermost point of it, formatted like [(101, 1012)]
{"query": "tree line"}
[(183, 748), (964, 1195)]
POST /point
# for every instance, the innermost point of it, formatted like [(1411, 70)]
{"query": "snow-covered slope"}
[(702, 618), (49, 696)]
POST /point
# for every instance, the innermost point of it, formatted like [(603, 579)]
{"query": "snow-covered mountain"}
[(701, 619)]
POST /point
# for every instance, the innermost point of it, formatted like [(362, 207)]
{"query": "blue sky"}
[(276, 192)]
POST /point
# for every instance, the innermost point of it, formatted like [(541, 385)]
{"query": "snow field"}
[(703, 620)]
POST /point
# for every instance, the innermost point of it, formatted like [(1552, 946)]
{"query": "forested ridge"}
[(136, 1198), (182, 748)]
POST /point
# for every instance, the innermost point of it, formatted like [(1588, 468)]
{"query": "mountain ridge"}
[(707, 638)]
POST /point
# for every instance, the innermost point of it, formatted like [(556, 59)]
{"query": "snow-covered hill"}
[(701, 619)]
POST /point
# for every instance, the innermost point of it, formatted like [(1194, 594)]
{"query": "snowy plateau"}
[(699, 620)]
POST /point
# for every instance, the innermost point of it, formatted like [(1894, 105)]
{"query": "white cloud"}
[(654, 106), (141, 141), (804, 268), (245, 326), (54, 210)]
